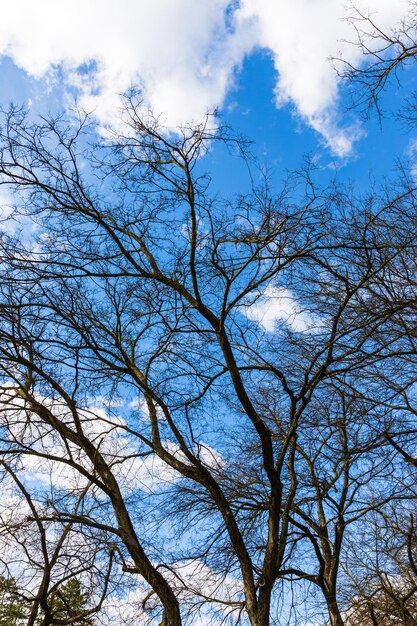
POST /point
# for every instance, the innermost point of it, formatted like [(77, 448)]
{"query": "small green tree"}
[(69, 604), (13, 608)]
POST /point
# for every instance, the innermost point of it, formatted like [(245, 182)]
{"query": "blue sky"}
[(266, 65)]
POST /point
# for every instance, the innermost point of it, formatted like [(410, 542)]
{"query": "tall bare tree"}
[(210, 442)]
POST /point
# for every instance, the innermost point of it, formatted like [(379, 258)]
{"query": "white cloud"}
[(6, 203), (277, 304), (303, 35), (7, 224), (184, 53), (192, 579), (135, 469), (180, 52)]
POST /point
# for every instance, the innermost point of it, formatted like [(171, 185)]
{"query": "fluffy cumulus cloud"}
[(275, 305), (185, 54), (303, 36), (180, 52)]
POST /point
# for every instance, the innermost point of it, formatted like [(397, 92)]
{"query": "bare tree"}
[(383, 577), (43, 557), (135, 354), (385, 53)]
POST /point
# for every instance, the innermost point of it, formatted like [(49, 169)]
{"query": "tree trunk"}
[(260, 615), (334, 613)]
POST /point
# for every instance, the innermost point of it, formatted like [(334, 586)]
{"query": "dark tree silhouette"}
[(212, 383)]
